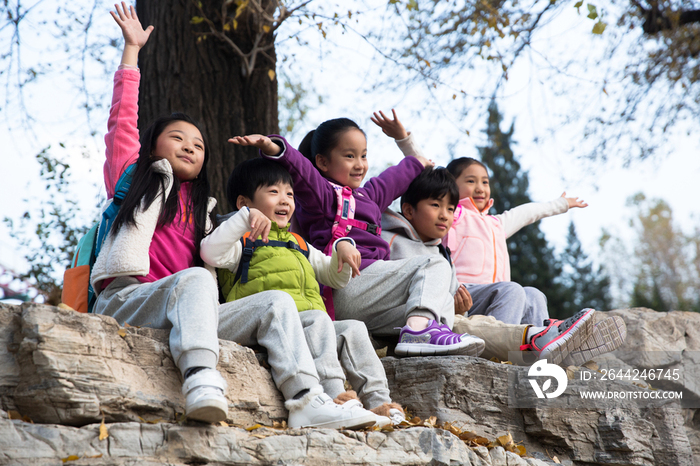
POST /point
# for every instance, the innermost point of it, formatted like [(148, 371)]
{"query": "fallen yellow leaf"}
[(70, 458), (65, 306), (505, 439), (253, 427), (122, 332), (104, 433), (591, 365)]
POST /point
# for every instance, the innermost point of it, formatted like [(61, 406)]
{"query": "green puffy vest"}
[(276, 268)]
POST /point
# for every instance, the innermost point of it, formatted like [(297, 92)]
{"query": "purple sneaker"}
[(437, 340)]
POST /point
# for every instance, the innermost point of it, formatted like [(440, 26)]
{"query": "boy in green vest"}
[(257, 255)]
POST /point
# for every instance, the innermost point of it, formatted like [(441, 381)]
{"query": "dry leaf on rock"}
[(592, 365), (104, 433), (17, 416), (506, 441)]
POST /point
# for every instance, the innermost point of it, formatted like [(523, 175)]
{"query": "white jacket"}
[(126, 254)]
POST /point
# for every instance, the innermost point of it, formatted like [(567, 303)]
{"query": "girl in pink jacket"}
[(479, 251)]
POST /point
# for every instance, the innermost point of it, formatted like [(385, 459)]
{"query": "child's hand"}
[(463, 300), (259, 225), (263, 143), (424, 161), (574, 201), (348, 254), (133, 32), (392, 128)]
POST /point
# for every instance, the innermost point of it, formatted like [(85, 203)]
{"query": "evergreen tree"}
[(642, 296), (533, 262), (585, 287)]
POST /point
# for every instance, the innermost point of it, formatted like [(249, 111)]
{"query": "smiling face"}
[(276, 202), (431, 218), (347, 163), (182, 145), (474, 182)]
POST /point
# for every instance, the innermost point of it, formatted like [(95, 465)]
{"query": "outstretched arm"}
[(135, 36), (392, 128), (574, 201), (263, 143)]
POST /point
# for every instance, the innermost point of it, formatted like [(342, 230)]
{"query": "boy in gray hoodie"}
[(427, 212)]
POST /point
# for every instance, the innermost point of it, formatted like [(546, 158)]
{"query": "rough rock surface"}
[(66, 371), (67, 368)]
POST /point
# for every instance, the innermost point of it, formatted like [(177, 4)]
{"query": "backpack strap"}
[(446, 253), (110, 213), (345, 217), (249, 247)]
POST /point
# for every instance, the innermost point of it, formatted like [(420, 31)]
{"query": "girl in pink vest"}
[(479, 251)]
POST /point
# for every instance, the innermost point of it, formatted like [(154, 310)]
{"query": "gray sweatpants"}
[(186, 302), (270, 319), (345, 345), (509, 302), (387, 293)]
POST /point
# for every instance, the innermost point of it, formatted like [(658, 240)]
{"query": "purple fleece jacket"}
[(316, 202)]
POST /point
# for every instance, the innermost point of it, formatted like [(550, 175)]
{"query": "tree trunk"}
[(205, 79)]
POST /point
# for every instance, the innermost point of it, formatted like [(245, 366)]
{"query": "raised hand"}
[(263, 143), (392, 128), (574, 201), (348, 254), (133, 32)]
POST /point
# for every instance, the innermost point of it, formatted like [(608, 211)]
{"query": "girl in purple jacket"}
[(408, 297)]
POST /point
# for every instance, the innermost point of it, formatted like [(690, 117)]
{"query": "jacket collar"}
[(468, 203), (396, 222)]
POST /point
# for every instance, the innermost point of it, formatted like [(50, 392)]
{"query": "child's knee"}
[(279, 303), (352, 329), (535, 296), (512, 291)]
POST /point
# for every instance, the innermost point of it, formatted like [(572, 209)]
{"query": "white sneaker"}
[(397, 416), (318, 410), (204, 396), (380, 421)]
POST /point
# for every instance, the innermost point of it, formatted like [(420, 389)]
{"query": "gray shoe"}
[(608, 335), (555, 342)]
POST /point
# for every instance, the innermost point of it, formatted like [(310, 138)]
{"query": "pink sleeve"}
[(122, 138)]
